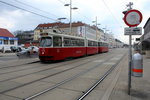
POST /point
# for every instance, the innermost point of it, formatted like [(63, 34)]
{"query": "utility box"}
[(137, 65)]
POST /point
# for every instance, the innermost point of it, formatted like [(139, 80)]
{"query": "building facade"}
[(78, 29), (7, 40), (145, 39)]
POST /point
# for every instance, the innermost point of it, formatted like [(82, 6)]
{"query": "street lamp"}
[(96, 26), (59, 23), (59, 19), (105, 30), (71, 14)]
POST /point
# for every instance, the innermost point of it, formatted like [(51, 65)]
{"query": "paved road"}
[(67, 80), (8, 58), (12, 56)]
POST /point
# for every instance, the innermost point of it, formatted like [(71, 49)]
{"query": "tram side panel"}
[(102, 47), (92, 47), (92, 50), (51, 54), (78, 51)]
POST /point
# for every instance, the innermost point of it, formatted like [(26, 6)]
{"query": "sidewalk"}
[(140, 89), (6, 54)]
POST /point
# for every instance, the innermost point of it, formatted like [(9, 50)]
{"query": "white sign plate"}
[(133, 31)]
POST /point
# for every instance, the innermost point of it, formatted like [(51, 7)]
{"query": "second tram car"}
[(102, 47), (60, 46)]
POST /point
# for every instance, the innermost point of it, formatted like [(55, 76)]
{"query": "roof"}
[(61, 25), (5, 33)]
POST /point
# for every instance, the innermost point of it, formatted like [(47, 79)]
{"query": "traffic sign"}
[(133, 18), (133, 31)]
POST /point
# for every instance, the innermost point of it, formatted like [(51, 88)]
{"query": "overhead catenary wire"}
[(61, 1), (110, 12), (27, 10), (32, 13), (37, 8), (34, 7)]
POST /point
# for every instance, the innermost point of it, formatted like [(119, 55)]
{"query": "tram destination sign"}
[(133, 31)]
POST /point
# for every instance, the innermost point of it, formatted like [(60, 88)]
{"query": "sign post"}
[(132, 18)]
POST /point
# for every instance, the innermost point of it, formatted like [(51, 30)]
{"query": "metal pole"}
[(130, 55), (70, 17), (130, 63), (96, 27)]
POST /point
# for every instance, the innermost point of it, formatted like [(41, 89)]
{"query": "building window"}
[(11, 41), (0, 41), (5, 41)]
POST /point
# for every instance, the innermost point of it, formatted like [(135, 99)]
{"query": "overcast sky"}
[(108, 12)]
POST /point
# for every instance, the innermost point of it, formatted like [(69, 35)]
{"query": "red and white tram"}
[(102, 47), (55, 46)]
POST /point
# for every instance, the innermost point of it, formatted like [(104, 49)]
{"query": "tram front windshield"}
[(46, 42)]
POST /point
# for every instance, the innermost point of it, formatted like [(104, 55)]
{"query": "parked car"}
[(27, 51), (21, 51), (34, 49), (13, 48), (6, 49)]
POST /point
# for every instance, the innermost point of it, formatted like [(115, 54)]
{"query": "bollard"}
[(137, 65)]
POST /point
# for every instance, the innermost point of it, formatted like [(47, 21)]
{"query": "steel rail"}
[(44, 77), (36, 71), (65, 81), (100, 80), (20, 64)]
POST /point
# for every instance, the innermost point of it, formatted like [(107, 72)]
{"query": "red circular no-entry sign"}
[(133, 18)]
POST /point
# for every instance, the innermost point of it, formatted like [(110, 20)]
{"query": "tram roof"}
[(62, 35)]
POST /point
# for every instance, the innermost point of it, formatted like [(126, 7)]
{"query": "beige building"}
[(78, 29)]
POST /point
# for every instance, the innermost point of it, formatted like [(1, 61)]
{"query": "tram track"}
[(99, 81), (64, 81), (43, 77), (30, 63), (43, 65), (18, 65), (75, 76)]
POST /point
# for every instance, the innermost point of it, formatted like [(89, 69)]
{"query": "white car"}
[(29, 51), (33, 48), (5, 49)]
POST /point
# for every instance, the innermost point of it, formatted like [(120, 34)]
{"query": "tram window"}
[(46, 42), (102, 44), (72, 42), (94, 43), (90, 43), (57, 41), (99, 43), (67, 42), (80, 42)]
